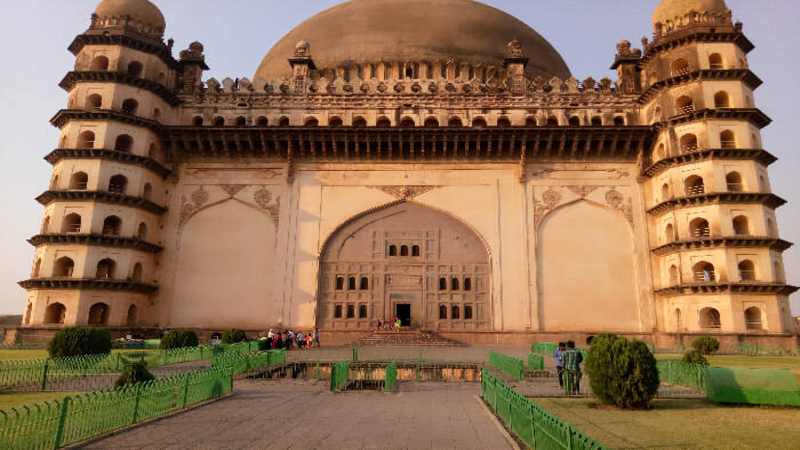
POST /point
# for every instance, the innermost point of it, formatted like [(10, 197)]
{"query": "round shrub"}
[(77, 341), (622, 372), (179, 339), (233, 336), (134, 373), (706, 345), (694, 357)]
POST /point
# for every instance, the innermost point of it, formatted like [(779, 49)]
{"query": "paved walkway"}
[(305, 415)]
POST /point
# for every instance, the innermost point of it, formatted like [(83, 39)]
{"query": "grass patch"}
[(681, 424), (743, 361), (10, 400), (7, 354)]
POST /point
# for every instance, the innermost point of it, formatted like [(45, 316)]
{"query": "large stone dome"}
[(671, 10), (142, 11), (372, 31)]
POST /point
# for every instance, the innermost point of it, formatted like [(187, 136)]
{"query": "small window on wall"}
[(94, 101), (722, 100), (715, 61), (197, 121), (351, 283), (403, 250), (283, 122), (219, 121), (442, 312), (130, 106), (392, 250), (619, 121), (455, 312), (442, 284), (454, 284), (727, 139), (467, 312), (86, 139), (339, 283), (362, 311), (680, 67), (468, 284), (135, 69), (574, 121), (415, 250), (351, 311), (383, 122), (262, 121), (337, 312), (241, 121), (597, 121), (364, 285), (335, 122), (359, 122), (503, 122), (752, 318), (99, 64), (747, 270), (123, 143)]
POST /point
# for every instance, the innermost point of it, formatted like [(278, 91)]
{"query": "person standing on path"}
[(572, 359), (558, 356)]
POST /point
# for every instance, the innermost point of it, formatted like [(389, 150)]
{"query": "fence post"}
[(58, 442), (533, 424), (355, 353), (569, 437), (136, 403), (185, 390), (44, 373)]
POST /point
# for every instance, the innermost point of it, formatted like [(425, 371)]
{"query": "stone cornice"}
[(778, 245), (133, 43), (101, 197), (99, 240), (66, 115), (89, 284), (715, 198), (753, 115), (761, 156), (752, 287), (112, 155), (744, 75), (699, 33), (295, 144), (75, 77)]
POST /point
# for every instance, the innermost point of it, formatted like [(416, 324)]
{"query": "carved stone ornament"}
[(263, 197), (200, 197), (582, 191), (405, 192), (550, 199), (614, 198), (514, 49), (232, 189)]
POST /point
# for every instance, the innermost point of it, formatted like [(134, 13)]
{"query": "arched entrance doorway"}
[(407, 261)]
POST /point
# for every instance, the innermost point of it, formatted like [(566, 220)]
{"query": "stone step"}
[(409, 337)]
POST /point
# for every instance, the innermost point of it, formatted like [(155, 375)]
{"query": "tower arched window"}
[(359, 122), (619, 121), (699, 228), (136, 275), (383, 122), (715, 61), (147, 192), (552, 121), (311, 122), (130, 106), (94, 101), (727, 139), (106, 269), (86, 139), (741, 226), (63, 267), (747, 270), (241, 121), (704, 272), (55, 314), (455, 122), (219, 121), (339, 283), (71, 224), (364, 284), (118, 184), (197, 121), (442, 283), (503, 122), (431, 122), (688, 143), (112, 226), (669, 233), (407, 122), (477, 122), (574, 121), (597, 121), (442, 312), (123, 143), (694, 185), (734, 182), (684, 105), (99, 64), (351, 283), (132, 316), (722, 100), (392, 250), (135, 69), (467, 284), (680, 67), (678, 320), (262, 121), (283, 122), (753, 318), (530, 122), (455, 312), (335, 121), (79, 181), (415, 250), (98, 314), (403, 250), (454, 284), (673, 275), (141, 232), (665, 192), (710, 319)]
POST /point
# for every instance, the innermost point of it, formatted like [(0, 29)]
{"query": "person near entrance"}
[(397, 324), (572, 368)]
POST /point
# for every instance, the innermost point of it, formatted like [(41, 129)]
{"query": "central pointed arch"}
[(369, 247)]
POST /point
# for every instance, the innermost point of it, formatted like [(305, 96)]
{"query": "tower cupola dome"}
[(676, 10), (141, 15)]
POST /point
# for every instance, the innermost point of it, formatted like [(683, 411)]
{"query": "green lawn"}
[(9, 400), (674, 424), (753, 362), (6, 355)]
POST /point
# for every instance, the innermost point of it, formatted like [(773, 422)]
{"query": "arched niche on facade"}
[(226, 268), (587, 270), (438, 246)]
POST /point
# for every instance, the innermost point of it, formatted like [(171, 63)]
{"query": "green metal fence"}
[(683, 374), (510, 365), (40, 374), (544, 348), (239, 363), (390, 382), (535, 362), (339, 373), (530, 422)]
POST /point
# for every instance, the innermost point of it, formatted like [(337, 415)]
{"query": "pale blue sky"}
[(237, 33)]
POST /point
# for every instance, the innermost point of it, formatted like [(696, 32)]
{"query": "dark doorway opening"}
[(403, 312)]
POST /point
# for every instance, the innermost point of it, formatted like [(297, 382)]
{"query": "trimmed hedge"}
[(179, 339), (694, 357), (79, 341), (233, 336), (134, 373), (622, 372), (706, 345)]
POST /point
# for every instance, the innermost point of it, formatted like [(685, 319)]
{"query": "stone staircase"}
[(408, 337)]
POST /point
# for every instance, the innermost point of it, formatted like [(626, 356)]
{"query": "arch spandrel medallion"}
[(404, 251)]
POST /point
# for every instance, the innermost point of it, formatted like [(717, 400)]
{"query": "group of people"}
[(568, 365), (390, 325), (288, 339)]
